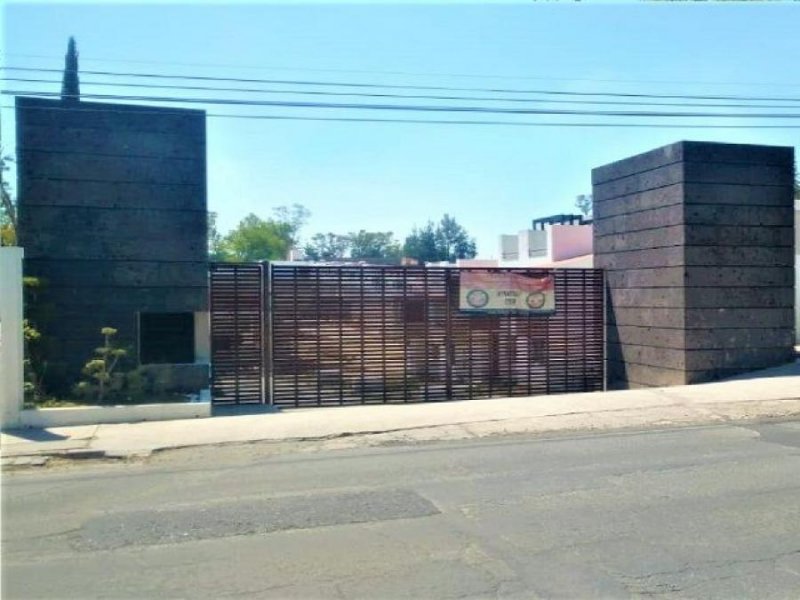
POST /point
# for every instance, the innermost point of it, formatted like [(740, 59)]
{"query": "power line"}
[(405, 73), (403, 96), (412, 87), (422, 121), (416, 107)]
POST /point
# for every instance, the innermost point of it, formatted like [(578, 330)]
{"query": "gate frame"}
[(266, 288)]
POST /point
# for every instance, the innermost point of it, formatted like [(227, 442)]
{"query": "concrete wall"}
[(509, 247), (533, 244), (11, 339), (569, 241), (541, 247), (697, 240), (93, 415), (112, 209)]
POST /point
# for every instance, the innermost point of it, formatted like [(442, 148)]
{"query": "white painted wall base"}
[(97, 415)]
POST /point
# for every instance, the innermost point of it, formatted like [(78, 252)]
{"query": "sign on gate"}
[(486, 291)]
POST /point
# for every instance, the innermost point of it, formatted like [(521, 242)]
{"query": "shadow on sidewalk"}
[(36, 435), (791, 369), (243, 410)]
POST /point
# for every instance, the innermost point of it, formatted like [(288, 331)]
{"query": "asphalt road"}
[(710, 512)]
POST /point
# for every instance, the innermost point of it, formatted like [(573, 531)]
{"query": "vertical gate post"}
[(605, 329), (448, 337), (266, 340)]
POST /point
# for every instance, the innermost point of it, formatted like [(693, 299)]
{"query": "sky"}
[(390, 177)]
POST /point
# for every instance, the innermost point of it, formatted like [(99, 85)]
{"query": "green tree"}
[(217, 250), (257, 239), (453, 241), (422, 244), (100, 370), (39, 313), (70, 86), (584, 204), (327, 246), (293, 217), (446, 240), (374, 245), (8, 208)]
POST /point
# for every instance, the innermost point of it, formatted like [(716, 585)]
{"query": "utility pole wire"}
[(415, 107), (413, 87), (405, 96), (410, 73), (86, 108)]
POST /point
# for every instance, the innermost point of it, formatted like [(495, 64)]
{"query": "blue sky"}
[(352, 176)]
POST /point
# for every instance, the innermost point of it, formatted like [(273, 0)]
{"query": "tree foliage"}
[(327, 246), (255, 238), (422, 244), (378, 246), (100, 371), (39, 313), (216, 245), (8, 208), (110, 376), (445, 241), (453, 241), (258, 239), (293, 218), (584, 204), (374, 245)]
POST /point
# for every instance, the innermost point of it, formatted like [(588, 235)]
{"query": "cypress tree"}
[(70, 87)]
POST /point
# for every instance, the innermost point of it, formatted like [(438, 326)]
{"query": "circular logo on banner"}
[(535, 300), (477, 298)]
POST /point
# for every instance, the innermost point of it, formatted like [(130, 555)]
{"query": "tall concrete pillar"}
[(697, 241), (11, 340)]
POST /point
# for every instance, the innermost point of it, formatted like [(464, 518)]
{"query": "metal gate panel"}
[(237, 333), (364, 335)]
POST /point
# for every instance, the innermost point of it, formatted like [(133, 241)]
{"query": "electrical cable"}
[(407, 73), (400, 96), (414, 107), (415, 87), (419, 121)]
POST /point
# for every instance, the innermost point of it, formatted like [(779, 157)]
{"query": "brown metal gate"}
[(236, 302), (370, 335)]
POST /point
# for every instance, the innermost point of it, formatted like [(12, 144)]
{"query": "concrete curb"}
[(40, 459), (767, 395), (657, 417)]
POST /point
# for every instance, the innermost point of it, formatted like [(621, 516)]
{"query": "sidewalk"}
[(773, 393)]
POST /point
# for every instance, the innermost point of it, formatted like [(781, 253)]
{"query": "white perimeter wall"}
[(11, 340)]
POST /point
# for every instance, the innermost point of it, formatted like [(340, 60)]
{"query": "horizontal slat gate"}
[(237, 333), (365, 335)]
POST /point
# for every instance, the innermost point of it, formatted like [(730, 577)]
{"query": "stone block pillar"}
[(11, 340), (697, 241)]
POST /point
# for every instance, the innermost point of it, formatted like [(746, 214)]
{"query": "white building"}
[(557, 241)]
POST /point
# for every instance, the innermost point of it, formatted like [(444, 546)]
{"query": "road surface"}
[(708, 512)]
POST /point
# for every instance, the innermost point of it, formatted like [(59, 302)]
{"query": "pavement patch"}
[(153, 527)]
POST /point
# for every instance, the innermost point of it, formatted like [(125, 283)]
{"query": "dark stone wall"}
[(112, 210), (697, 242)]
